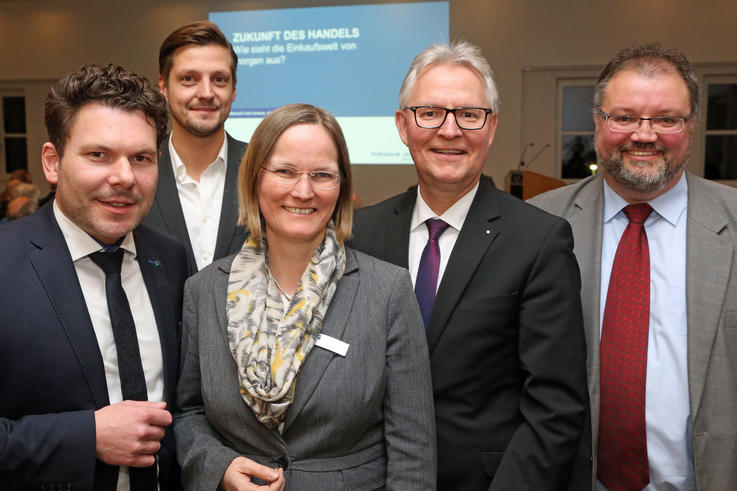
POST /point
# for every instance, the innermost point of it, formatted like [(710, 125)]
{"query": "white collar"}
[(80, 243), (180, 171), (453, 216), (668, 205)]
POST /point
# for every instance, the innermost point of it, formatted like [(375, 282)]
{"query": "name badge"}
[(331, 344)]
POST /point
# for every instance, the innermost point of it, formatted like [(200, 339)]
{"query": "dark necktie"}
[(427, 274), (622, 448), (132, 378)]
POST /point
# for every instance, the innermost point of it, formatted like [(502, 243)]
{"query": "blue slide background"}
[(360, 82)]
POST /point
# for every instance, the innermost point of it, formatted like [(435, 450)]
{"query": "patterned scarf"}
[(268, 345)]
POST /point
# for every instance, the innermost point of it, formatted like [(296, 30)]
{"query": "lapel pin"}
[(488, 231), (154, 262)]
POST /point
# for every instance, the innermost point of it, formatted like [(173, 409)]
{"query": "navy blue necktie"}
[(132, 378), (427, 274)]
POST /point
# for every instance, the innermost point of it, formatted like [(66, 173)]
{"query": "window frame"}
[(562, 84), (700, 151), (542, 110), (3, 134)]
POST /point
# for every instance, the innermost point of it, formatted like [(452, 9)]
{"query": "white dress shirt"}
[(418, 234), (92, 281), (667, 410), (201, 202)]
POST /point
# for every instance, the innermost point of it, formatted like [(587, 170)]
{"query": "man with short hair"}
[(196, 198), (497, 284), (91, 301), (656, 248)]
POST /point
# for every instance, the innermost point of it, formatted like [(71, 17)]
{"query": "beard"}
[(198, 127), (639, 180)]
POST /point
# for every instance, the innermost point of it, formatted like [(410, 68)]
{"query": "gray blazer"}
[(363, 421), (711, 302)]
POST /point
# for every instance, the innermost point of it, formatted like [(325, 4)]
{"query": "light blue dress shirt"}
[(667, 411)]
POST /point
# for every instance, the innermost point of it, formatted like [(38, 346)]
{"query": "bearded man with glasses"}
[(497, 284), (661, 323)]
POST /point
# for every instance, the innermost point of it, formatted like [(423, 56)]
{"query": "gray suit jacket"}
[(363, 421), (166, 211), (711, 302)]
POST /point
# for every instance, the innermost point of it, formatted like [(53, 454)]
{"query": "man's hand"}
[(238, 476), (129, 432)]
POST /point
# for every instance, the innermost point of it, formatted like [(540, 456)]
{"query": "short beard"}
[(641, 182), (201, 132)]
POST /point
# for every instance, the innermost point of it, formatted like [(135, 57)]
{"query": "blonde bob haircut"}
[(259, 150)]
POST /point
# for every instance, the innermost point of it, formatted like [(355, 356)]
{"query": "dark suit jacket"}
[(506, 341), (166, 211), (53, 377)]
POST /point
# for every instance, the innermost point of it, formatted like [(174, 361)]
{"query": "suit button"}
[(283, 462)]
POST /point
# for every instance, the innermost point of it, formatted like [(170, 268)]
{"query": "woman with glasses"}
[(304, 362)]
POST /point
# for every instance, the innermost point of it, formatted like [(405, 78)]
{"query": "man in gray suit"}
[(679, 426), (196, 199)]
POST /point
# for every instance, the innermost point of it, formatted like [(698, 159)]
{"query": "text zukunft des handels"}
[(296, 35)]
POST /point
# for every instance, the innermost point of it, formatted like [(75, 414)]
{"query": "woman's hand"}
[(238, 476)]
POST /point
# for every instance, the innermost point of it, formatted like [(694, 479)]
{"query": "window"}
[(556, 109), (577, 153), (13, 132), (720, 121)]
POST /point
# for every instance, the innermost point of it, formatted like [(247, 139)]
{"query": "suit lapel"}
[(167, 201), (229, 209), (476, 236), (334, 326), (707, 275), (396, 230), (587, 222), (159, 294), (52, 262)]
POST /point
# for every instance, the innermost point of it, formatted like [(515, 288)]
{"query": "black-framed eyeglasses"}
[(467, 118), (659, 124), (290, 175)]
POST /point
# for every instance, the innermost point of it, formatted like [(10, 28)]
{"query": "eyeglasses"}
[(660, 124), (467, 118), (319, 179)]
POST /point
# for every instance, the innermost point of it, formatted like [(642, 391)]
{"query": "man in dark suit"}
[(196, 198), (71, 353), (504, 330)]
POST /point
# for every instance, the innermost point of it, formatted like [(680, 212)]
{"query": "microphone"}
[(534, 157), (522, 155)]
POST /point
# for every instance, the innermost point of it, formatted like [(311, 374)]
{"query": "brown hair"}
[(199, 33), (259, 149), (112, 86), (648, 59)]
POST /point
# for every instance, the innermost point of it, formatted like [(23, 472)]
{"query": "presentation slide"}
[(350, 60)]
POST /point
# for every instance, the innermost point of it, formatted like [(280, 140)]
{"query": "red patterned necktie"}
[(622, 450)]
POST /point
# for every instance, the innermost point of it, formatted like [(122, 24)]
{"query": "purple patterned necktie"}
[(427, 274), (622, 449)]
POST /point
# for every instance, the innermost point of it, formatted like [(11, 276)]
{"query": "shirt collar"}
[(453, 216), (80, 243), (180, 171), (669, 205)]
